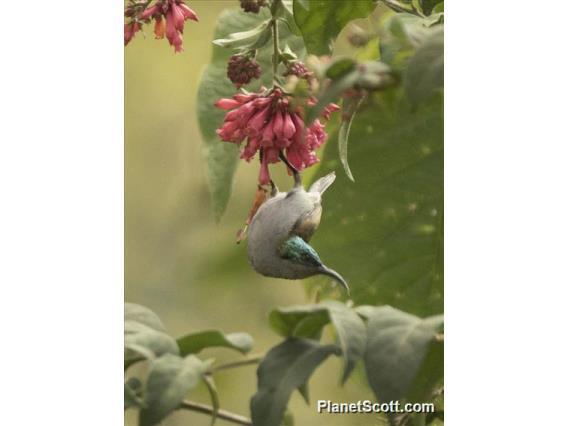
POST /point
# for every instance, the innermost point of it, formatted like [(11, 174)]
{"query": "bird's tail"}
[(324, 270), (323, 183)]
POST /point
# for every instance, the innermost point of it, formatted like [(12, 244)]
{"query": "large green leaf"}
[(308, 321), (195, 342), (222, 157), (425, 70), (169, 380), (384, 233), (320, 21), (397, 346), (285, 368)]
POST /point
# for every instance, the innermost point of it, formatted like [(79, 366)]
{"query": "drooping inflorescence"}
[(169, 18), (270, 123)]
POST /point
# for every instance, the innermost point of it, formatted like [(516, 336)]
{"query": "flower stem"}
[(276, 54)]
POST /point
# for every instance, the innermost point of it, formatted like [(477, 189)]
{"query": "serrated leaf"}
[(195, 342), (397, 345), (141, 341), (320, 21), (143, 315), (244, 39), (285, 368), (425, 70), (169, 380), (222, 157)]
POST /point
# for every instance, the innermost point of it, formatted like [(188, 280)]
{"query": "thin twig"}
[(276, 49), (253, 359), (221, 414), (399, 7)]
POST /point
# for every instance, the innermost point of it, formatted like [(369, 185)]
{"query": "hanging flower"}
[(169, 19), (130, 31), (270, 124)]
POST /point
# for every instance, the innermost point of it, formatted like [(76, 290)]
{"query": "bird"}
[(280, 231)]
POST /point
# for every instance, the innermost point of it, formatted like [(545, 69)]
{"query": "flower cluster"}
[(272, 124), (298, 69), (252, 6), (241, 69), (169, 18)]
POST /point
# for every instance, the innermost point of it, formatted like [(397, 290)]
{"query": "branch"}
[(253, 359), (221, 414), (402, 8)]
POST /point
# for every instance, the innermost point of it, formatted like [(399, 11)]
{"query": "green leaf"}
[(340, 67), (397, 345), (320, 21), (169, 380), (351, 333), (286, 14), (371, 75), (143, 315), (350, 107), (141, 341), (285, 368), (133, 393), (299, 321), (222, 157), (385, 233), (245, 39), (195, 342), (425, 70), (308, 321)]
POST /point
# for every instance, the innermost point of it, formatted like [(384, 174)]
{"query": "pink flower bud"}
[(177, 17), (148, 13), (257, 122), (288, 128), (277, 126), (225, 103), (188, 13)]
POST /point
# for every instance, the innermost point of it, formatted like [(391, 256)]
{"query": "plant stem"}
[(276, 54), (253, 359), (400, 7), (221, 414)]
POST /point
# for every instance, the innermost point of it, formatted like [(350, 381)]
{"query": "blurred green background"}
[(178, 261)]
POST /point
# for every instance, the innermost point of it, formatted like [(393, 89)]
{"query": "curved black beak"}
[(324, 270)]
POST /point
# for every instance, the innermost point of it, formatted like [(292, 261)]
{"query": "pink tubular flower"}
[(271, 125), (130, 31), (169, 18)]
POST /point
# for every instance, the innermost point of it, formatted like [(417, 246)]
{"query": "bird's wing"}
[(297, 250), (323, 183), (307, 224)]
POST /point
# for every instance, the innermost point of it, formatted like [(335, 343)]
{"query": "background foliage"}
[(384, 233)]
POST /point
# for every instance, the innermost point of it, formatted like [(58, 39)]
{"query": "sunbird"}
[(281, 229)]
